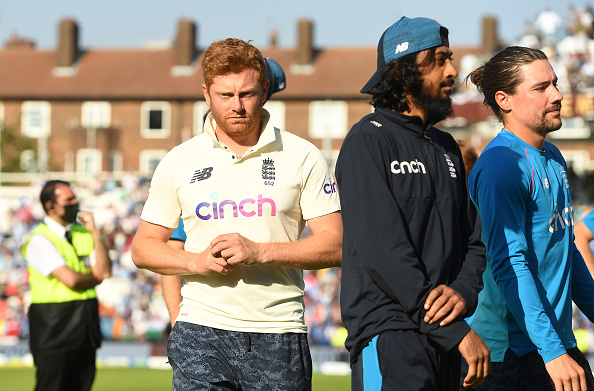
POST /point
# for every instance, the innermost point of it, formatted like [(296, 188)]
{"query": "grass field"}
[(140, 379)]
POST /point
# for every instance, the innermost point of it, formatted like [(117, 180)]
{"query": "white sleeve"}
[(43, 256), (319, 194), (162, 206)]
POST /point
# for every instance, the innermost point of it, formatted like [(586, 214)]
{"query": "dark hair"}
[(231, 56), (48, 192), (400, 77), (502, 73)]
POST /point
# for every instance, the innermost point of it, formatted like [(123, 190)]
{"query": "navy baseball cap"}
[(276, 76), (408, 35)]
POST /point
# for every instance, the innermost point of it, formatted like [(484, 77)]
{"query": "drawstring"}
[(248, 341)]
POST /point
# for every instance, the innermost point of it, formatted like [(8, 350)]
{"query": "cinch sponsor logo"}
[(561, 219), (330, 187), (413, 167), (248, 207)]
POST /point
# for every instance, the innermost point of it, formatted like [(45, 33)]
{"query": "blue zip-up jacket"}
[(534, 270), (409, 226)]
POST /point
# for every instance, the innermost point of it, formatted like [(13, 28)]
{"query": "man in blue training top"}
[(534, 271)]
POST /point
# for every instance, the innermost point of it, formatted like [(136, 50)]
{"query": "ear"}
[(265, 88), (503, 100), (206, 94)]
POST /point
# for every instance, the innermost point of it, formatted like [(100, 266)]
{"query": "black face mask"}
[(70, 213)]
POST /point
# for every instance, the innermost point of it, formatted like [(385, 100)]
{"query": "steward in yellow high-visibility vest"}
[(64, 313), (62, 318)]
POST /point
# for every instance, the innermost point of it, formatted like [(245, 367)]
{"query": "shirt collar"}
[(266, 137), (413, 124), (55, 227)]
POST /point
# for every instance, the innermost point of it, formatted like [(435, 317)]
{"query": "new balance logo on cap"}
[(401, 47)]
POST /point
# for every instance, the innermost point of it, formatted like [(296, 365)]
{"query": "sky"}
[(134, 23)]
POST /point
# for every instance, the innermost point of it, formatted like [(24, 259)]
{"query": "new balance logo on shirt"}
[(201, 174)]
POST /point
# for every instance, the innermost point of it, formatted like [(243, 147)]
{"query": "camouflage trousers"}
[(528, 373), (205, 358)]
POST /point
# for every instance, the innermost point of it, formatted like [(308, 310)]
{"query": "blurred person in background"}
[(66, 261), (583, 236), (469, 155), (534, 271), (244, 190), (412, 254)]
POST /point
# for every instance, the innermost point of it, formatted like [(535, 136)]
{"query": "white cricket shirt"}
[(266, 196)]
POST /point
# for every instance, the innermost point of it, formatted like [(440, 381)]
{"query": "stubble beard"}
[(546, 126), (236, 129)]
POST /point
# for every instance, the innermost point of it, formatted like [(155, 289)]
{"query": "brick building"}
[(121, 110)]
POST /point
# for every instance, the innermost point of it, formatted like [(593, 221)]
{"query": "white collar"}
[(266, 137), (55, 227)]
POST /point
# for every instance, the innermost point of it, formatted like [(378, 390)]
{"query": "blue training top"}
[(589, 220), (179, 233), (523, 197)]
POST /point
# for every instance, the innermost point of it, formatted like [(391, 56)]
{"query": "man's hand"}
[(477, 355), (234, 248), (444, 301), (567, 374), (87, 220), (211, 262)]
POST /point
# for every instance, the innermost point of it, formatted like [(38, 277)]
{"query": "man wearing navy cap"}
[(412, 256)]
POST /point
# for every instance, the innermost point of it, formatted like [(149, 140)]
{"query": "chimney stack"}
[(185, 43), (305, 44), (273, 38), (16, 42), (490, 39), (68, 44)]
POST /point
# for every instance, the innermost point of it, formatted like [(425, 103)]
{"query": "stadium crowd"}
[(132, 306), (131, 302), (568, 42)]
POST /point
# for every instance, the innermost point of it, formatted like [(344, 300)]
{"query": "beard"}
[(546, 125), (235, 128), (436, 107)]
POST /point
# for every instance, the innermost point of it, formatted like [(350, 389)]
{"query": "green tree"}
[(13, 144)]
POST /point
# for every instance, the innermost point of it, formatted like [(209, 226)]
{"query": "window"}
[(328, 119), (155, 119), (116, 161), (88, 161), (577, 159), (95, 115), (35, 119), (149, 159), (200, 109), (277, 113), (27, 160)]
